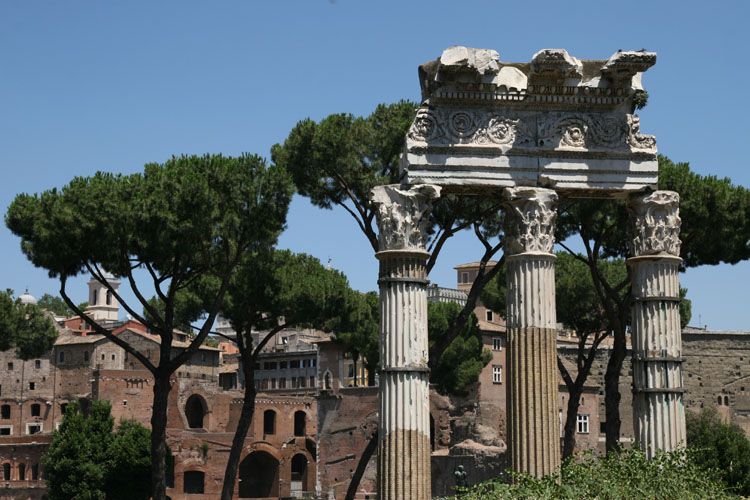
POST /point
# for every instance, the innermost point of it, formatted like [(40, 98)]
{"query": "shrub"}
[(625, 475)]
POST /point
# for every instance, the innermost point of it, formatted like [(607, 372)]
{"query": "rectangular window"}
[(295, 382), (313, 362), (61, 357), (33, 428), (37, 363), (497, 344), (497, 374), (5, 412), (489, 315), (273, 383), (282, 383), (6, 430), (32, 386), (10, 366), (283, 365), (312, 381), (294, 363), (582, 424), (302, 382)]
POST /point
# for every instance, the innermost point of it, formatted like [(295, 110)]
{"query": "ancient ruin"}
[(527, 133)]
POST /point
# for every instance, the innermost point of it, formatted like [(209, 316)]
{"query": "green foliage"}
[(87, 461), (720, 446), (462, 362), (358, 330), (640, 99), (620, 475), (54, 305), (25, 327)]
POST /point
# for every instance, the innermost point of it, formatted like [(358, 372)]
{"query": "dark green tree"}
[(54, 304), (358, 331), (25, 327), (189, 219), (721, 447), (269, 292), (337, 162), (461, 363), (87, 460)]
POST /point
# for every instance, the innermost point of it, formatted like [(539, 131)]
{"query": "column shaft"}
[(533, 425), (404, 469), (658, 410)]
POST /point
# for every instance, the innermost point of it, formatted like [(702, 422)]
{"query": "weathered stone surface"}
[(554, 122), (403, 215)]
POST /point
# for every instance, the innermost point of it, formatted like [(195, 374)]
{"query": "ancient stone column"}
[(658, 410), (533, 424), (404, 426)]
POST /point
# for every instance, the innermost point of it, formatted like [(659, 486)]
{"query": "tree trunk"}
[(238, 442), (612, 392), (569, 437), (159, 436)]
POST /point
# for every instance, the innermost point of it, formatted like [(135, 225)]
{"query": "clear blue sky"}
[(87, 86)]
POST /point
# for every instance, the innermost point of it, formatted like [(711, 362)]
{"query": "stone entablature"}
[(554, 122)]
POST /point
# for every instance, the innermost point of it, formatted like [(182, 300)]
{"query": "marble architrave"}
[(658, 409), (556, 122), (404, 416)]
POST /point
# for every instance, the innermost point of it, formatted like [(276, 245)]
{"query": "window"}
[(350, 371), (85, 356), (273, 383), (497, 344), (63, 407), (282, 383), (102, 357), (489, 315), (33, 428), (22, 472), (32, 386), (283, 365), (497, 374), (464, 277), (314, 362), (269, 422), (193, 482), (6, 430), (37, 363), (36, 410), (113, 357), (6, 472), (35, 472), (294, 363), (582, 424), (5, 412), (284, 340), (300, 422), (61, 357), (93, 297), (10, 366), (109, 297), (195, 410), (312, 381), (302, 382)]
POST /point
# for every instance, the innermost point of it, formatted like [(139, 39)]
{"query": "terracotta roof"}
[(471, 265), (486, 326)]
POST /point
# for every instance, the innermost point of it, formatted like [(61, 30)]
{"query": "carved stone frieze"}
[(655, 223), (536, 131), (403, 215), (529, 220)]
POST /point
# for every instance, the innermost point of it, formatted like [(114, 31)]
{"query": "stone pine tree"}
[(25, 328), (715, 229), (188, 219), (337, 161), (54, 305), (89, 459), (269, 292)]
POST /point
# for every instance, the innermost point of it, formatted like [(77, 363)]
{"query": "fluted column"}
[(404, 418), (533, 425), (658, 410)]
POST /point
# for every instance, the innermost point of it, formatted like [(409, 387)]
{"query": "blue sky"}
[(87, 86)]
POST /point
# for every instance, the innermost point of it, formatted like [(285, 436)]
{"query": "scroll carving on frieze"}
[(558, 131), (655, 223), (529, 220), (403, 215)]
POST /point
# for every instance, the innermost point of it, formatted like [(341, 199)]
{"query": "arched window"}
[(726, 400), (195, 410), (93, 297), (6, 471), (22, 472), (259, 476), (193, 482), (718, 401), (327, 381), (5, 412), (109, 297), (300, 422), (36, 410), (269, 422)]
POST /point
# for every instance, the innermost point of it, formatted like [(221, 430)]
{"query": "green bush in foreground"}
[(624, 475)]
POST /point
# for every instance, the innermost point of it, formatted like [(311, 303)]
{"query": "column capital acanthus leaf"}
[(655, 223), (403, 215), (529, 220)]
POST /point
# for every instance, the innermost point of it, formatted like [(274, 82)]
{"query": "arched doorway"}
[(300, 423), (299, 474), (259, 476), (195, 411)]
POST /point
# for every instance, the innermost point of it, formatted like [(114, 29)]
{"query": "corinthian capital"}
[(655, 223), (529, 220), (403, 215)]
